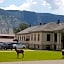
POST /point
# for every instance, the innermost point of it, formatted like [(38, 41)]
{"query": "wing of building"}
[(6, 37), (46, 36)]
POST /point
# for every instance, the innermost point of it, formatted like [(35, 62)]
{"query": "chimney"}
[(58, 21), (40, 23)]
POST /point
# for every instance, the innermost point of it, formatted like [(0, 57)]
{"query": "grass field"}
[(30, 55)]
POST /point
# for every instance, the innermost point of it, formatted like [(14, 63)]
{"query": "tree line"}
[(21, 27)]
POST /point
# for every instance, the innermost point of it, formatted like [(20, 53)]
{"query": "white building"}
[(46, 36)]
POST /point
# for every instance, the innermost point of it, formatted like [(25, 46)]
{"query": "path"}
[(36, 62)]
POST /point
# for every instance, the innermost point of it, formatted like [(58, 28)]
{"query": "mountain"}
[(12, 18)]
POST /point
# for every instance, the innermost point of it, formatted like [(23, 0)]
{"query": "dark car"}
[(9, 46), (3, 45)]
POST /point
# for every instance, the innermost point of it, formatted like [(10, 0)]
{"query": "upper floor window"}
[(55, 37), (20, 37), (24, 38), (31, 36), (34, 37), (38, 37), (48, 37)]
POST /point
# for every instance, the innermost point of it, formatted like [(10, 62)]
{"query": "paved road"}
[(36, 62)]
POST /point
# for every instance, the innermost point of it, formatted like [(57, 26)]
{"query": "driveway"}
[(36, 62)]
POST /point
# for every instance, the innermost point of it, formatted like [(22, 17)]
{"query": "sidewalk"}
[(36, 62)]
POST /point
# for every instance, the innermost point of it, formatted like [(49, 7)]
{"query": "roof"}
[(47, 27), (52, 26), (7, 34), (60, 27), (27, 30)]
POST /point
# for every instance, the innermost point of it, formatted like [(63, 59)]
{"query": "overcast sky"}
[(41, 6)]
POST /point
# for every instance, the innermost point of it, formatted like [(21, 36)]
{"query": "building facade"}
[(47, 36), (6, 37)]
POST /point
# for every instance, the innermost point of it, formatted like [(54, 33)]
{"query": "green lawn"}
[(31, 55)]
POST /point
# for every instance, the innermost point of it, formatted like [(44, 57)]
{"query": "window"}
[(20, 37), (27, 38), (38, 37), (24, 38), (38, 45), (55, 37), (48, 47), (34, 37), (9, 37), (31, 36), (48, 37)]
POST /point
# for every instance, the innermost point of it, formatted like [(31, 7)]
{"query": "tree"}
[(21, 26)]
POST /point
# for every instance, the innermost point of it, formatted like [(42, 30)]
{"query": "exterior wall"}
[(35, 42), (46, 43), (42, 43), (6, 37), (58, 45), (6, 40), (22, 38)]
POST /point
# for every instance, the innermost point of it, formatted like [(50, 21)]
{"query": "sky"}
[(39, 6)]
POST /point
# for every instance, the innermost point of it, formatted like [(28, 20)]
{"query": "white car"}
[(19, 46)]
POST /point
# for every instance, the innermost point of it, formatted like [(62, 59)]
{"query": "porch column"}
[(53, 41), (41, 40), (58, 45)]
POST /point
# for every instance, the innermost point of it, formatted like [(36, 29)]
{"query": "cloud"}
[(1, 1), (46, 4), (60, 3), (11, 7), (52, 6), (25, 6), (60, 9), (35, 2)]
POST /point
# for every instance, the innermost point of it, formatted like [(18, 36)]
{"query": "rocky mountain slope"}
[(12, 18)]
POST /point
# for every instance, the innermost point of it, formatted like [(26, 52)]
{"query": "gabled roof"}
[(60, 27), (47, 27), (27, 30), (52, 26)]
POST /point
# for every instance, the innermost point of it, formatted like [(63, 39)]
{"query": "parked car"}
[(3, 45), (11, 45), (19, 45)]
